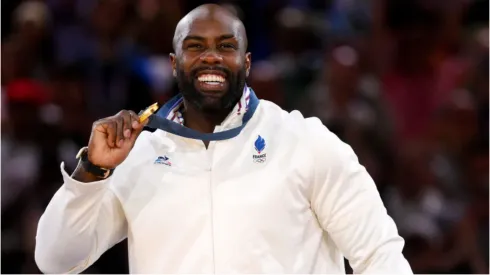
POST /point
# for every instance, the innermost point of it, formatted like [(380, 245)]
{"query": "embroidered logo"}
[(163, 160), (259, 145)]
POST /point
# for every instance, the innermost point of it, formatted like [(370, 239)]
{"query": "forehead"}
[(208, 26)]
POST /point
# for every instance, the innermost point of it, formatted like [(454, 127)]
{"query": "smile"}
[(211, 79)]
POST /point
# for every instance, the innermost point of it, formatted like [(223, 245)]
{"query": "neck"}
[(201, 121)]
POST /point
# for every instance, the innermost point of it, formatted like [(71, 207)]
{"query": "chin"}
[(212, 94), (211, 104), (212, 101)]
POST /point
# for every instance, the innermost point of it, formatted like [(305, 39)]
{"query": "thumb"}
[(137, 131)]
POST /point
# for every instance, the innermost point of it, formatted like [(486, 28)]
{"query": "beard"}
[(211, 105)]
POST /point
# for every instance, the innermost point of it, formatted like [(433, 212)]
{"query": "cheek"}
[(187, 63), (234, 63), (182, 67), (187, 59)]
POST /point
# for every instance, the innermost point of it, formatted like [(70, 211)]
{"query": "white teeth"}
[(211, 78)]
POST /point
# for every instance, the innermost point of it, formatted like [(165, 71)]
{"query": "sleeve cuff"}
[(74, 184)]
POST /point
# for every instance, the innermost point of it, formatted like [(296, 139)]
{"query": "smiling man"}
[(226, 183), (210, 64)]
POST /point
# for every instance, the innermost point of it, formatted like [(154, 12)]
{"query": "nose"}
[(211, 58)]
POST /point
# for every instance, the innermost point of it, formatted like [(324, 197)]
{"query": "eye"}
[(194, 46), (227, 46)]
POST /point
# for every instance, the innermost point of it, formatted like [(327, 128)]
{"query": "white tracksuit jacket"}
[(298, 206)]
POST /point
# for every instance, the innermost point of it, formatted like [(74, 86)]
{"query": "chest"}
[(256, 177)]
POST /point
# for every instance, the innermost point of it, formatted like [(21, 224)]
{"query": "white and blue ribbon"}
[(160, 120)]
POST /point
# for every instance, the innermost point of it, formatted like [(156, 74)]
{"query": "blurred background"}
[(404, 82)]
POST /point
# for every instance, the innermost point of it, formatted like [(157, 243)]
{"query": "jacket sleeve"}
[(349, 208), (81, 222)]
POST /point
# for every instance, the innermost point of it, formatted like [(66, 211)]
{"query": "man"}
[(232, 185)]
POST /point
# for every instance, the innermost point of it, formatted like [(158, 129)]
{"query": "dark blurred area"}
[(404, 82)]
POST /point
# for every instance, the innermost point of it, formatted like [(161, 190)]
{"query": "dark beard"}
[(215, 105)]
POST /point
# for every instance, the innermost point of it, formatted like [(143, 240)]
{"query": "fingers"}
[(109, 128), (135, 121), (130, 126), (137, 127), (127, 129), (118, 129), (104, 130)]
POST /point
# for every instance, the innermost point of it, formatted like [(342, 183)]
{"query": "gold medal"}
[(148, 112)]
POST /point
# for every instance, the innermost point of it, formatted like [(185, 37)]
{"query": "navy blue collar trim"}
[(159, 121)]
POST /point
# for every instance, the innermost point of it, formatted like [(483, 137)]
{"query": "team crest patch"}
[(259, 146), (163, 160)]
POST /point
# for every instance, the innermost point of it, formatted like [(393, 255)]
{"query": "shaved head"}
[(210, 12), (210, 60)]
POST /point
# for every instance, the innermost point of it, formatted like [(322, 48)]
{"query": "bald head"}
[(189, 24), (210, 62)]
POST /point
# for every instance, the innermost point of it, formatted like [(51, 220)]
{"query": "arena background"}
[(404, 82)]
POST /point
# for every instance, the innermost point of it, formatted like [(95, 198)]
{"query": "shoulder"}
[(293, 120), (309, 128), (322, 143)]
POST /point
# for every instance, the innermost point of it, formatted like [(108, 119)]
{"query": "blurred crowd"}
[(404, 82)]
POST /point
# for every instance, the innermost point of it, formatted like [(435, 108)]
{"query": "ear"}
[(248, 62), (173, 60)]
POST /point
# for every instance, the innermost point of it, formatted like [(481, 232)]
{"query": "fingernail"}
[(120, 143), (127, 133), (135, 124)]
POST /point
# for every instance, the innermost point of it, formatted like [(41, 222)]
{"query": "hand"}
[(113, 138)]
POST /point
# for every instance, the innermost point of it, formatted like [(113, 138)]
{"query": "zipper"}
[(211, 201), (212, 218)]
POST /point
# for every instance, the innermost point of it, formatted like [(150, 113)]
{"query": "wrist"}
[(85, 166), (81, 175)]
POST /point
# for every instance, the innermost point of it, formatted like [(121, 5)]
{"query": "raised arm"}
[(85, 217)]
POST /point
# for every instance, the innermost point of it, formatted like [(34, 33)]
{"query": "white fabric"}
[(216, 210)]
